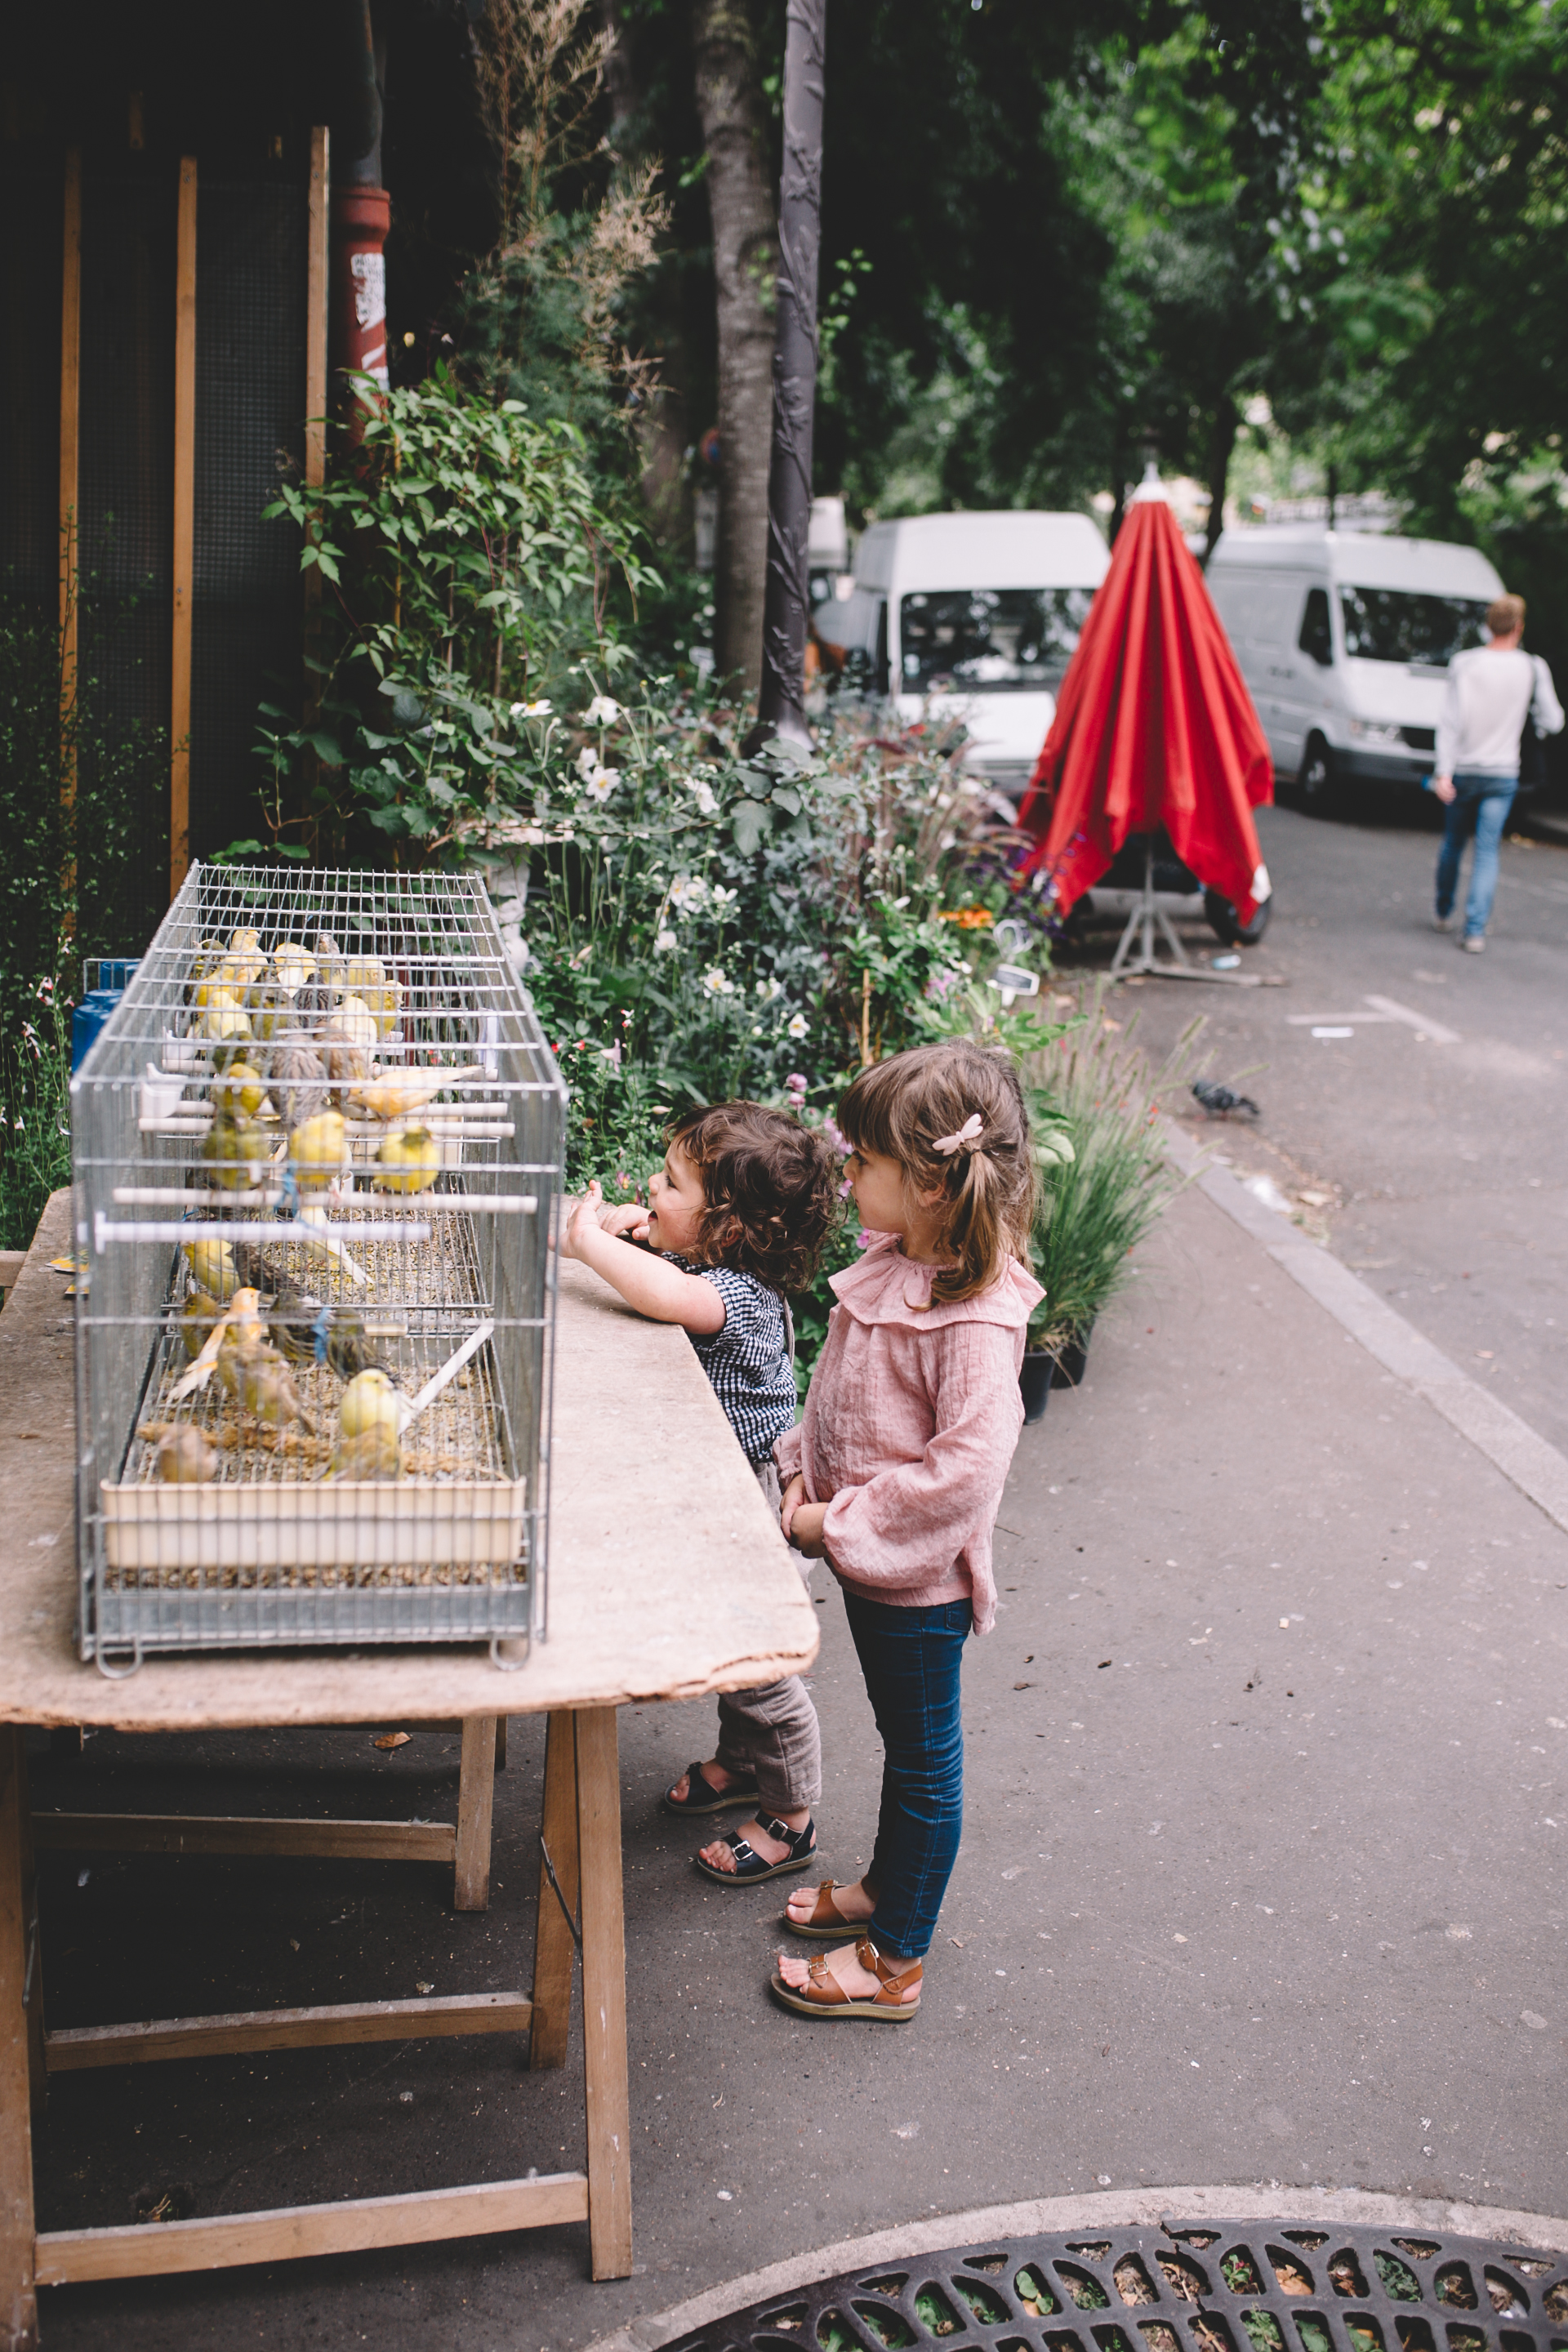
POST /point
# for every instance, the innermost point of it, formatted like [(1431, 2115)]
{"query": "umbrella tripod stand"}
[(1135, 957)]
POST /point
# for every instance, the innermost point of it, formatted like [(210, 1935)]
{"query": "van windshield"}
[(1395, 625), (989, 640)]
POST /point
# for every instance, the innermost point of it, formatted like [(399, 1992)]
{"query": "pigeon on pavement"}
[(1219, 1102)]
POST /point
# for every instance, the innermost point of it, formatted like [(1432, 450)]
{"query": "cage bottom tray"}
[(345, 1615)]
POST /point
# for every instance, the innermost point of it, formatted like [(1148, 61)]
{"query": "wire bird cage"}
[(316, 1150)]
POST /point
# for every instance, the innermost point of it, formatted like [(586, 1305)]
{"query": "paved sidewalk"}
[(1261, 1883)]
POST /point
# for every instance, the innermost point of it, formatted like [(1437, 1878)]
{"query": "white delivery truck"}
[(1344, 639), (973, 617)]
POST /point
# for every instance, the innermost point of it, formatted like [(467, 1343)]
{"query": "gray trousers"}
[(772, 1731)]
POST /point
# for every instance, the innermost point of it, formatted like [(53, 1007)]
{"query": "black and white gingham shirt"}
[(748, 1362)]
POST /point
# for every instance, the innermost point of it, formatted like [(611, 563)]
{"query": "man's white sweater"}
[(1489, 695)]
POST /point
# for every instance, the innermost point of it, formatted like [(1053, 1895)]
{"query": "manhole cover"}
[(1202, 2287)]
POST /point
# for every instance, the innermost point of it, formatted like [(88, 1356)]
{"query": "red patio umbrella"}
[(1153, 726)]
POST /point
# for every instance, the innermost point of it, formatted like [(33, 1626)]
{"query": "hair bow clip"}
[(968, 1139)]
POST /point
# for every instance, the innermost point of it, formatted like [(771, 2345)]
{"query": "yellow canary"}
[(400, 1093), (374, 1453), (240, 1092), (235, 1153), (408, 1161), (369, 1402), (384, 1005), (292, 965), (186, 1458), (353, 1023), (224, 1024), (318, 1151), (362, 972), (212, 1264), (269, 1008)]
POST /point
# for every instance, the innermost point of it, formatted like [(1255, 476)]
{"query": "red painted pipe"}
[(361, 218)]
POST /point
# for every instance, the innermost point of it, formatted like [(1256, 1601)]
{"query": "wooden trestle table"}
[(668, 1578)]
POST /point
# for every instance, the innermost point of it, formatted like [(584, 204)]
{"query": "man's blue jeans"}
[(911, 1659), (1481, 803)]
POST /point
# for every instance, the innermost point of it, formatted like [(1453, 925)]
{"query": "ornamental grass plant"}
[(1105, 1174)]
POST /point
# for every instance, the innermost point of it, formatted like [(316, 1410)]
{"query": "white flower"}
[(768, 989), (667, 942), (703, 793), (587, 763), (541, 709), (601, 713), (687, 891), (799, 1026), (602, 784), (715, 983), (722, 897)]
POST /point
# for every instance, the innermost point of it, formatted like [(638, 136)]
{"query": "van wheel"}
[(1220, 913), (1318, 782)]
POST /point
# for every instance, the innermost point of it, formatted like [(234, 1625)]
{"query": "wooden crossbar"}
[(150, 2247), (196, 1834), (67, 2051)]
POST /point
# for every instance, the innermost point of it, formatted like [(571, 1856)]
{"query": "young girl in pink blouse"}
[(895, 1477)]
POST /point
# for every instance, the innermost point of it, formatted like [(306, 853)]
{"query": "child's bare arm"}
[(650, 1284)]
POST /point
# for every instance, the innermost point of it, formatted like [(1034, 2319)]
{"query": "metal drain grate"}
[(1189, 2287)]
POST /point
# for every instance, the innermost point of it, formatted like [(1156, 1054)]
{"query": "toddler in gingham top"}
[(895, 1477), (737, 1217)]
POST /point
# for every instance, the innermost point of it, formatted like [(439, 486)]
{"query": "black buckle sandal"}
[(740, 1792), (751, 1869)]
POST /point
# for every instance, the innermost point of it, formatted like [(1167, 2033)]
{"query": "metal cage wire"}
[(407, 1231)]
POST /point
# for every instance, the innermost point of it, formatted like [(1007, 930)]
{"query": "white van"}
[(976, 615), (1344, 639)]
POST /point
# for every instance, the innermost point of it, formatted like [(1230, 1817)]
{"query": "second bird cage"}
[(316, 1153)]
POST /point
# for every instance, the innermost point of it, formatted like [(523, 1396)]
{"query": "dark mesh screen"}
[(250, 407), (125, 529), (29, 440)]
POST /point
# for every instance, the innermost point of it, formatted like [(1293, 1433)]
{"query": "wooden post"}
[(553, 1949), (70, 483), (605, 1994), (318, 312), (476, 1801), (184, 524), (18, 2297)]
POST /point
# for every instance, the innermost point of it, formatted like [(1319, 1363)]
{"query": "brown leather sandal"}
[(823, 1996), (826, 1924)]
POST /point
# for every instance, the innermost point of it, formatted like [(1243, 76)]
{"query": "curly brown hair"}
[(903, 1106), (771, 1188)]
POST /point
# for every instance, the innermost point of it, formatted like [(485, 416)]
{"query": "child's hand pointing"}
[(583, 1221)]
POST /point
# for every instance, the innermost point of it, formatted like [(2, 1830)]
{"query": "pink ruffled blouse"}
[(911, 1422)]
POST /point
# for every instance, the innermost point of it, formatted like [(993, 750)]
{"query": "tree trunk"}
[(745, 263), (781, 703), (1222, 444)]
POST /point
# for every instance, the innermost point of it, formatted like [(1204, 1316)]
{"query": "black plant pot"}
[(1035, 1381), (1073, 1359)]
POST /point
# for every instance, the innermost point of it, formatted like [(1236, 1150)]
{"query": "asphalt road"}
[(1444, 1165), (1266, 1776)]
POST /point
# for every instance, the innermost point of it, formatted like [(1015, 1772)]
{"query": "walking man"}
[(1492, 690)]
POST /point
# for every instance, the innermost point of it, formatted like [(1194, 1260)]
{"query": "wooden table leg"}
[(476, 1804), (18, 2297), (605, 1994), (502, 1722), (553, 1949)]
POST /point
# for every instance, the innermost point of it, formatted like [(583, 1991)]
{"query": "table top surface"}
[(668, 1577)]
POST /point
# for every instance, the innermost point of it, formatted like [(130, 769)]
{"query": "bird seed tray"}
[(275, 1549)]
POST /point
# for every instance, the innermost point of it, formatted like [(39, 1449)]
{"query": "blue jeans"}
[(911, 1659), (1481, 803)]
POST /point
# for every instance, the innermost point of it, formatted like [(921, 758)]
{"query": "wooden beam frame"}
[(244, 2030), (184, 525), (18, 2302), (147, 2249), (317, 292), (236, 1833), (70, 491)]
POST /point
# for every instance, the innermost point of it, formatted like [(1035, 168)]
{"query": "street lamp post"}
[(781, 706)]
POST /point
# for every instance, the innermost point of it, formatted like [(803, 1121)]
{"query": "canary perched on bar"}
[(201, 1318), (212, 1262), (292, 1318), (353, 1023), (186, 1458), (369, 1402), (292, 965), (349, 1351), (408, 1161), (318, 1151), (235, 1152), (400, 1093), (240, 1092), (261, 1383)]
